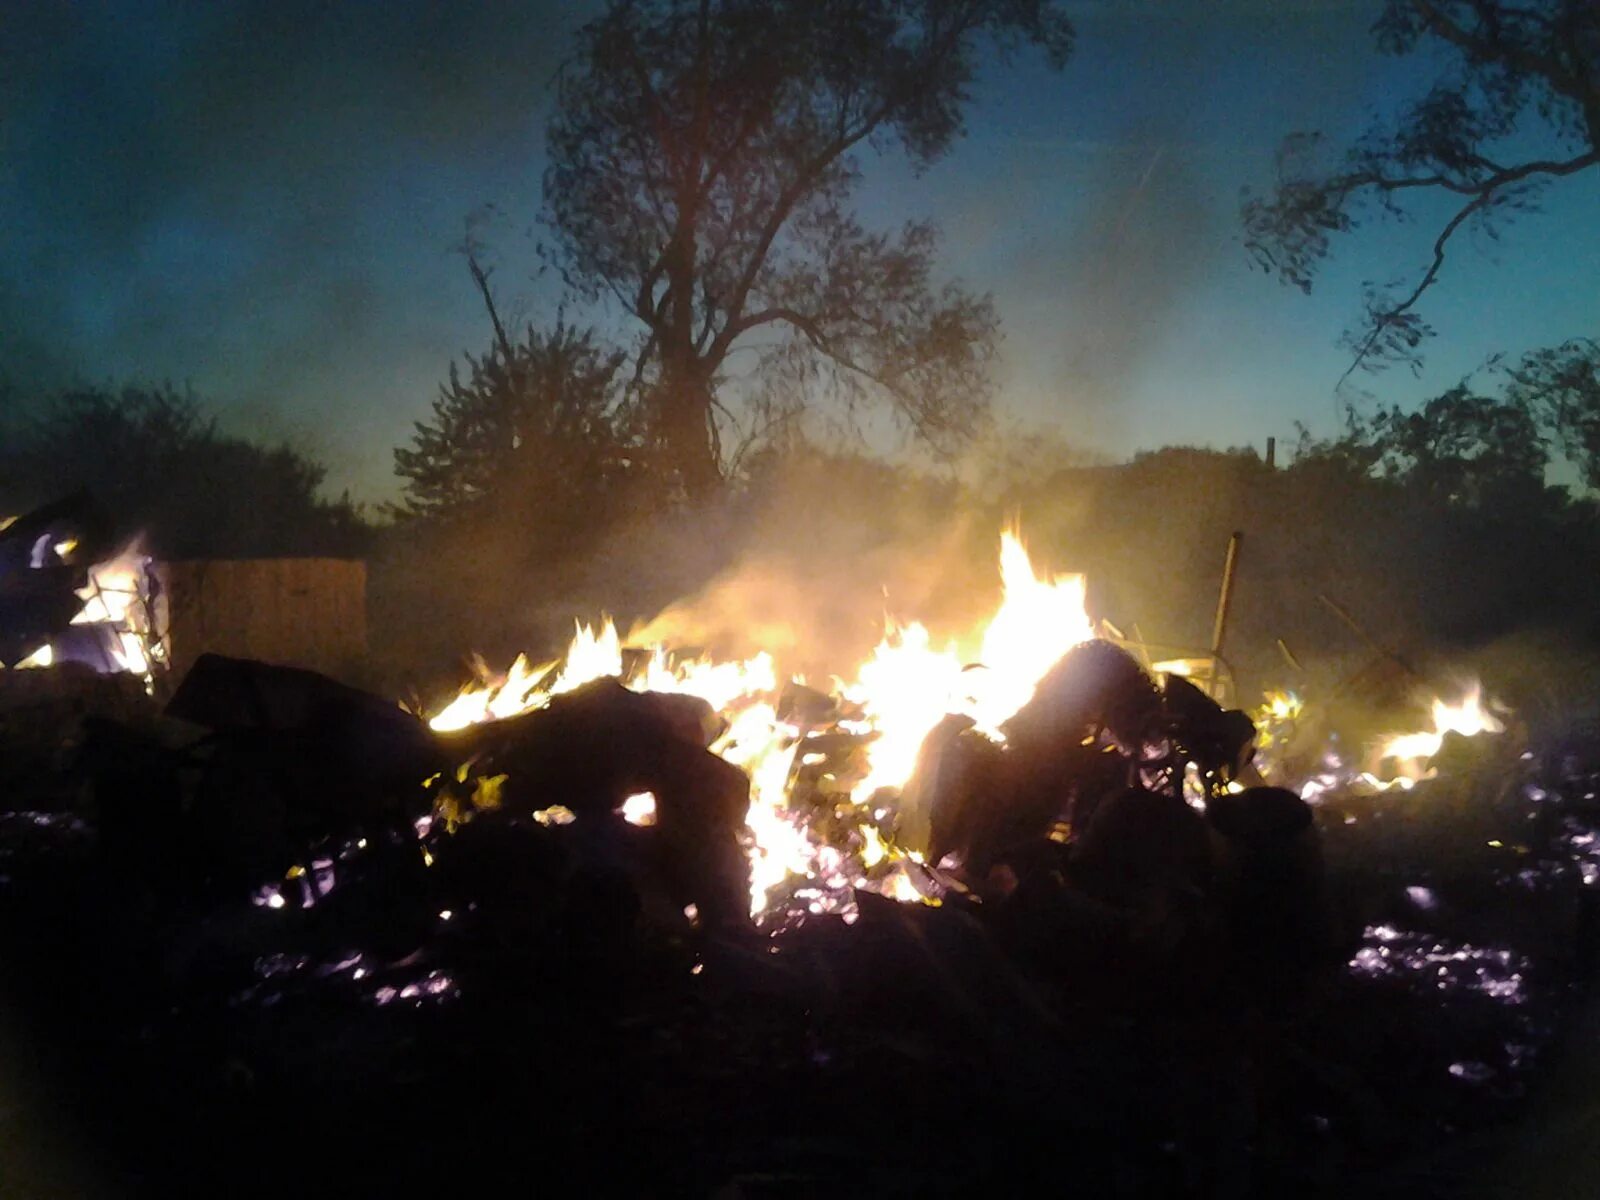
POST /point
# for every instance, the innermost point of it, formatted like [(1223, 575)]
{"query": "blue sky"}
[(260, 198)]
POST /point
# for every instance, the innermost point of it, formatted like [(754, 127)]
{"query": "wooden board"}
[(300, 612)]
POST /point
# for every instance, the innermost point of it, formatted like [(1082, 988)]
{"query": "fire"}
[(44, 656), (494, 700), (904, 689), (907, 685), (640, 809), (1411, 751), (1039, 620), (115, 597)]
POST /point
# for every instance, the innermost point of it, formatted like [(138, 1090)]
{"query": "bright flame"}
[(1468, 718), (640, 809), (1039, 620), (591, 656), (44, 656), (493, 701), (903, 690), (114, 598)]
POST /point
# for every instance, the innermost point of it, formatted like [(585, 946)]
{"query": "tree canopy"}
[(1513, 109), (532, 424), (161, 466), (702, 163), (1459, 448)]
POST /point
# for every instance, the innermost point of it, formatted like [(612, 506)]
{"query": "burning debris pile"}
[(969, 880), (67, 595)]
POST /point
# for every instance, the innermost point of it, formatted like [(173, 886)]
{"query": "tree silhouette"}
[(702, 161), (1562, 385), (1514, 108), (157, 461), (531, 425)]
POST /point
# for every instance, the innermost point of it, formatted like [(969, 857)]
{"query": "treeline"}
[(1430, 528), (525, 504), (157, 460)]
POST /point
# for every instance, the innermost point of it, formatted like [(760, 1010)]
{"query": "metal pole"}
[(1224, 601)]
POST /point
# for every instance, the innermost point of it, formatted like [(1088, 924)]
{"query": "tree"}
[(1562, 385), (702, 160), (158, 462), (1515, 108), (532, 423), (1459, 449)]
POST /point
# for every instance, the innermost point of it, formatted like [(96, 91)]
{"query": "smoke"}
[(258, 196), (807, 564), (1131, 257)]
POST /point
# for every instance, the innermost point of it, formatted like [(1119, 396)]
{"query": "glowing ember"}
[(640, 809)]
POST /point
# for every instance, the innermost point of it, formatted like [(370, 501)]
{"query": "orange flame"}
[(903, 689), (1469, 718)]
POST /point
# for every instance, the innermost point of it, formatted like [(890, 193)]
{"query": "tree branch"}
[(1484, 195), (481, 278)]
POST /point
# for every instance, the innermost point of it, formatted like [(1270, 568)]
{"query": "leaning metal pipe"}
[(1219, 630)]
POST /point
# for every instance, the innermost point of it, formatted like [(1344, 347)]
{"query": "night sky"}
[(261, 198)]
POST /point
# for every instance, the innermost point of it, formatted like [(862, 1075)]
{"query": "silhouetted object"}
[(1095, 726), (1501, 64), (530, 432), (296, 755), (1218, 741), (757, 243), (592, 748), (1272, 893), (161, 468), (1095, 687)]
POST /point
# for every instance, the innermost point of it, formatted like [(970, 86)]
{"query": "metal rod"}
[(1372, 643), (1224, 601), (1225, 596), (1288, 655)]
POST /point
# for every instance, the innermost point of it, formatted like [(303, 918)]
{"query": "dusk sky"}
[(261, 198)]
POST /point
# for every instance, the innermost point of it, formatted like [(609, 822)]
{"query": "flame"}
[(44, 656), (114, 597), (1040, 619), (515, 692), (903, 689), (640, 809), (590, 656), (1468, 718)]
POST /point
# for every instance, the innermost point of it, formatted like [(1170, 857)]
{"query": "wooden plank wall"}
[(301, 612)]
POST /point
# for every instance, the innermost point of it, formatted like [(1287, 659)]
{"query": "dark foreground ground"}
[(557, 1031)]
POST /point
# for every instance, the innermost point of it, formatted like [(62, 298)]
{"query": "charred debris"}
[(287, 916)]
